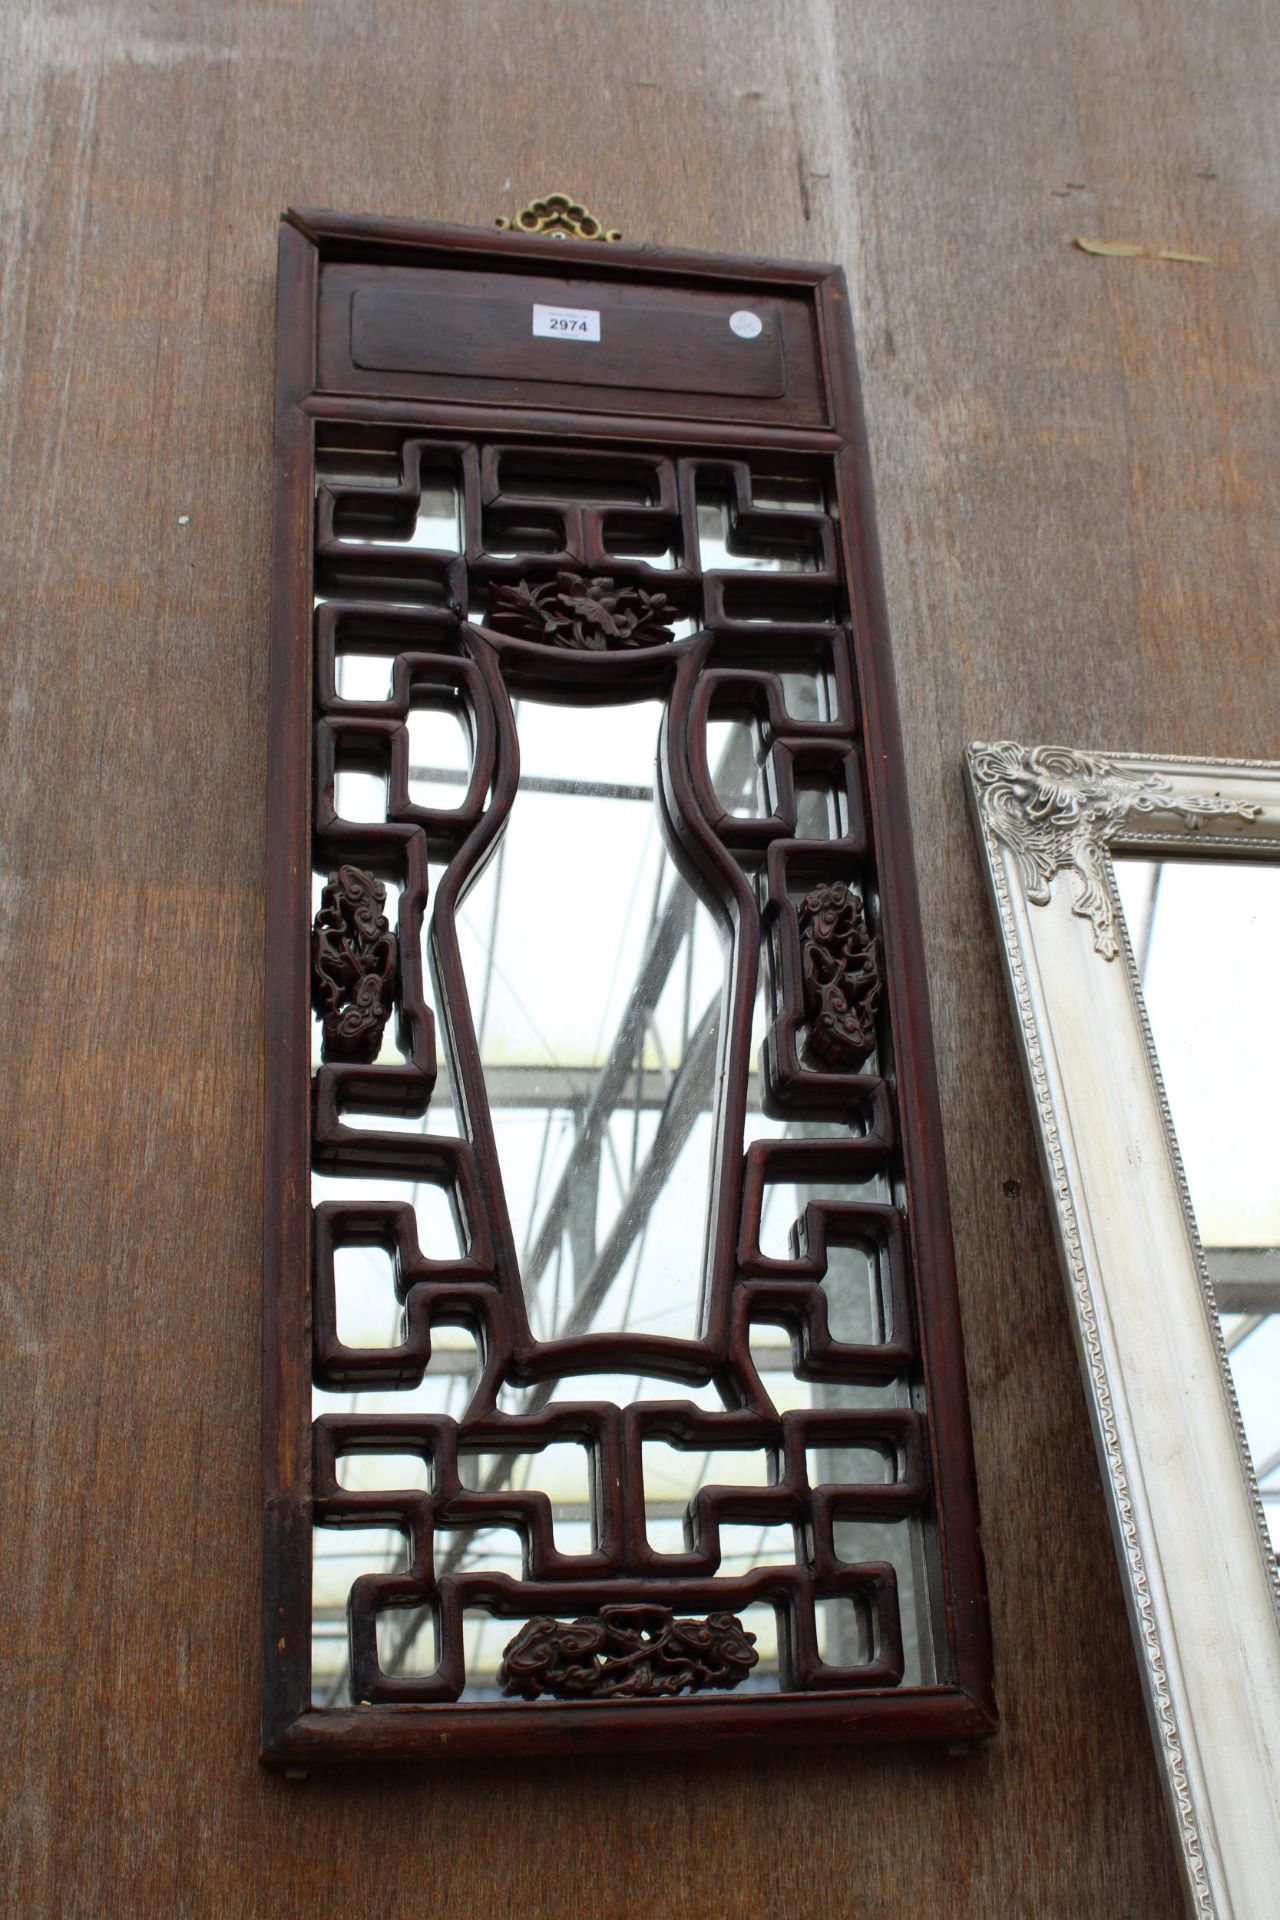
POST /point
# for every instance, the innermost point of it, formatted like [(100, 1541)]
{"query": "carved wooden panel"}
[(598, 1043)]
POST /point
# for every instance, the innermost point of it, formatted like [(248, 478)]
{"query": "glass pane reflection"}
[(1206, 935), (596, 978), (597, 982)]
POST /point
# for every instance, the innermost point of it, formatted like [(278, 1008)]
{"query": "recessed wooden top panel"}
[(577, 340)]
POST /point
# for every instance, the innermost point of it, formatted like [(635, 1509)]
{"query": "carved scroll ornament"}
[(841, 967), (572, 611), (353, 964), (627, 1652), (1056, 810)]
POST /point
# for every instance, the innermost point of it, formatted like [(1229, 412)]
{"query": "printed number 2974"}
[(572, 323)]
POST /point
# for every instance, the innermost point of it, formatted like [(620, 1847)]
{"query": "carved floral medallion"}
[(353, 964), (572, 610), (841, 967), (627, 1652)]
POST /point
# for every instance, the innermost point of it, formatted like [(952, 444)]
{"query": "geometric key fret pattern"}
[(614, 1382), (500, 1436)]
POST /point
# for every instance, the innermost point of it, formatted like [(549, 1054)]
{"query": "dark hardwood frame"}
[(901, 1105)]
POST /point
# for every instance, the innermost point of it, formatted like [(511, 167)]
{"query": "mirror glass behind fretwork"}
[(626, 1287), (599, 993), (1206, 942), (598, 987)]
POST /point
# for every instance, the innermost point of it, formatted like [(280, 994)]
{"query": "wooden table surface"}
[(1076, 462)]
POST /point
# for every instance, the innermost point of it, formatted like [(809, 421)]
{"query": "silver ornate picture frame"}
[(1198, 1571)]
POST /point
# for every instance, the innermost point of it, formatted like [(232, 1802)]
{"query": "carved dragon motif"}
[(841, 963), (574, 611), (1057, 810), (626, 1652), (353, 964)]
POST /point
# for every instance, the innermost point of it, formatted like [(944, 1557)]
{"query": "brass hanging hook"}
[(560, 218)]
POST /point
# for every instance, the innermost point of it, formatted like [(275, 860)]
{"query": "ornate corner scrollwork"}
[(560, 218), (626, 1652), (841, 965), (596, 616), (353, 964), (1056, 810)]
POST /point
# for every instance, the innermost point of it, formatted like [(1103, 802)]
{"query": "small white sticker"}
[(566, 323), (747, 325)]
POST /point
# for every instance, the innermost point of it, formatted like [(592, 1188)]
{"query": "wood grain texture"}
[(1077, 477)]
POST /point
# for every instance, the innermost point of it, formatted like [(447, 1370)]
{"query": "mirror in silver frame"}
[(1138, 906)]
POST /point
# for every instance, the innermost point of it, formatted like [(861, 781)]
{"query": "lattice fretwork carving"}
[(620, 1305)]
